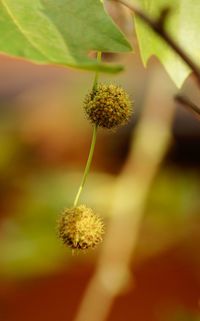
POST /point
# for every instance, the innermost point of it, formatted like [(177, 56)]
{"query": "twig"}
[(157, 26), (188, 104), (128, 205)]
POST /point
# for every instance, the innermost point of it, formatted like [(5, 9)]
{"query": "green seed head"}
[(80, 228), (108, 106)]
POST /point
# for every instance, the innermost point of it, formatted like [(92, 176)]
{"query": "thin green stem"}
[(87, 168), (94, 137), (99, 54)]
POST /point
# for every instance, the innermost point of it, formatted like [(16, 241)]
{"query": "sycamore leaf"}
[(59, 32), (183, 24)]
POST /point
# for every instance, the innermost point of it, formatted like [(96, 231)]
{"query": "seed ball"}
[(80, 228), (108, 106)]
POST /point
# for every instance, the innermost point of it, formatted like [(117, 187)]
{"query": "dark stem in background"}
[(158, 26), (188, 104)]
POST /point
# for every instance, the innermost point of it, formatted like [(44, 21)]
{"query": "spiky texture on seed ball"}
[(80, 228), (108, 106)]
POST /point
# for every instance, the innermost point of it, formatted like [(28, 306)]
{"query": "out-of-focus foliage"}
[(183, 25), (59, 32), (182, 315), (28, 239)]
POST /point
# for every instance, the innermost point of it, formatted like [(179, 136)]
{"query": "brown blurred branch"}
[(151, 140), (184, 101), (158, 26)]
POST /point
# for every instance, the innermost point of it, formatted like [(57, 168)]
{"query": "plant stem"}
[(94, 137), (114, 267), (157, 26), (87, 168), (97, 73), (188, 104)]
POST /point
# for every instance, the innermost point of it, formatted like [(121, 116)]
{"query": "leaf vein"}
[(14, 19)]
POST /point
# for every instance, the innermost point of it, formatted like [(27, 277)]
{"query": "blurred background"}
[(44, 141)]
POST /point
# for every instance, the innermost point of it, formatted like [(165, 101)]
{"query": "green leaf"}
[(59, 32), (183, 25)]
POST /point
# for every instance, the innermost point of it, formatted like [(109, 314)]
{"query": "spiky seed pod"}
[(108, 106), (80, 228)]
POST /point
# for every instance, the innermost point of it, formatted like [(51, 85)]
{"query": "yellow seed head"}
[(108, 106), (80, 228)]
